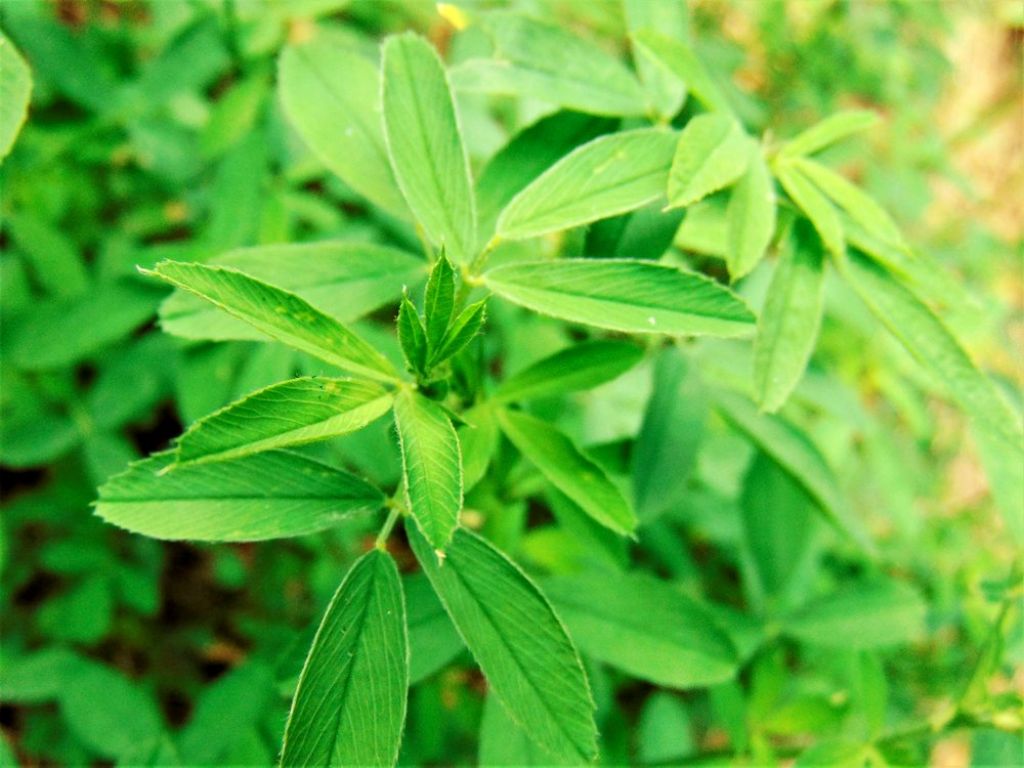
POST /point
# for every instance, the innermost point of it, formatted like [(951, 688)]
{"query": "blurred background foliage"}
[(154, 132)]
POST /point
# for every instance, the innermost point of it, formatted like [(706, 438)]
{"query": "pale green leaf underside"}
[(568, 469), (860, 206), (624, 295), (349, 708), (680, 58), (332, 96), (644, 627), (607, 176), (872, 615), (290, 413), (830, 130), (665, 90), (546, 62), (264, 496), (579, 367), (278, 314), (432, 465), (343, 280), (530, 663), (713, 151), (15, 89), (425, 144), (750, 218), (788, 325), (814, 204), (793, 451), (929, 342)]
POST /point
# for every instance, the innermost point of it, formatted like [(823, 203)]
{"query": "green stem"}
[(382, 538)]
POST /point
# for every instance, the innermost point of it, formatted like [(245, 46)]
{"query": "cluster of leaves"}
[(576, 388)]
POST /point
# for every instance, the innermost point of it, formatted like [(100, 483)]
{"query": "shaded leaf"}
[(578, 367), (568, 469), (644, 627), (530, 663)]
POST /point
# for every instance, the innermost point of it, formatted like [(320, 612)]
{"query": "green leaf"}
[(777, 524), (15, 90), (432, 465), (578, 367), (610, 175), (750, 218), (787, 329), (108, 712), (64, 331), (932, 345), (643, 626), (870, 615), (463, 330), (815, 206), (664, 730), (542, 61), (680, 58), (278, 314), (830, 130), (795, 453), (504, 743), (343, 280), (665, 90), (530, 663), (349, 708), (569, 469), (331, 94), (861, 207), (439, 302), (290, 413), (433, 641), (624, 295), (530, 152), (264, 496), (713, 152), (666, 447), (425, 144), (412, 336)]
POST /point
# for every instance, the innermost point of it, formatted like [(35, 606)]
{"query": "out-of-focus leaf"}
[(787, 329), (546, 62), (579, 367), (713, 152), (644, 627), (815, 206), (830, 130), (751, 218), (15, 89)]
